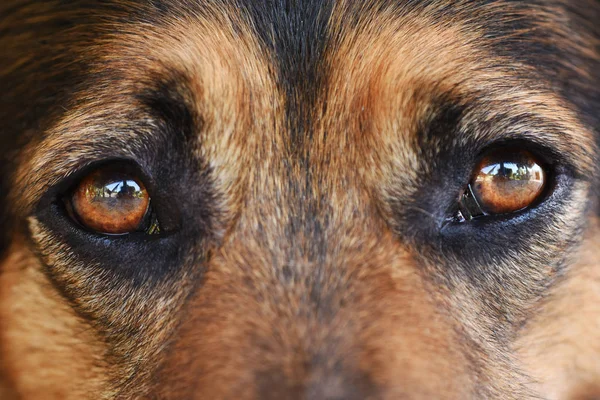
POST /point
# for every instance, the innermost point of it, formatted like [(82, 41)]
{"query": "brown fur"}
[(304, 265)]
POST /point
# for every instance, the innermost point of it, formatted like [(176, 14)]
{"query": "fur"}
[(302, 157)]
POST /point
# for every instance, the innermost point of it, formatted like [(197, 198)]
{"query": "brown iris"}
[(508, 181), (111, 200)]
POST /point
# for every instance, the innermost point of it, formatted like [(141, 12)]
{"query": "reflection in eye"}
[(119, 190), (514, 171), (504, 181), (112, 201)]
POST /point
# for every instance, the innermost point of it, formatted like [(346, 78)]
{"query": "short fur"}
[(302, 157)]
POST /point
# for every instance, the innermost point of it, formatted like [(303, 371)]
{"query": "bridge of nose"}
[(356, 322), (296, 298), (309, 292), (310, 280)]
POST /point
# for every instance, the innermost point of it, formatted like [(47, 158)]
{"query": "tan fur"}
[(560, 345), (41, 335), (305, 286)]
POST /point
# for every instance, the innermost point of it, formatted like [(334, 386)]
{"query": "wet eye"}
[(503, 182), (112, 200)]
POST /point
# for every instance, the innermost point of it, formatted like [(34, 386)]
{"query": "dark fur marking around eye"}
[(170, 103), (178, 183), (436, 138), (448, 149)]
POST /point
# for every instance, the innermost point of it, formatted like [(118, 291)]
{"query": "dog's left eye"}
[(504, 181), (112, 200)]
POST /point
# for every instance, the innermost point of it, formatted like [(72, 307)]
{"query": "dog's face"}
[(299, 199)]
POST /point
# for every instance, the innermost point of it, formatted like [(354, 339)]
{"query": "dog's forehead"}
[(279, 89)]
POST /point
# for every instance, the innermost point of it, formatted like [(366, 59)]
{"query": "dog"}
[(300, 199)]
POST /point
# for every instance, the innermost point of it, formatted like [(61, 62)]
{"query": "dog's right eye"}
[(505, 181), (112, 200)]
